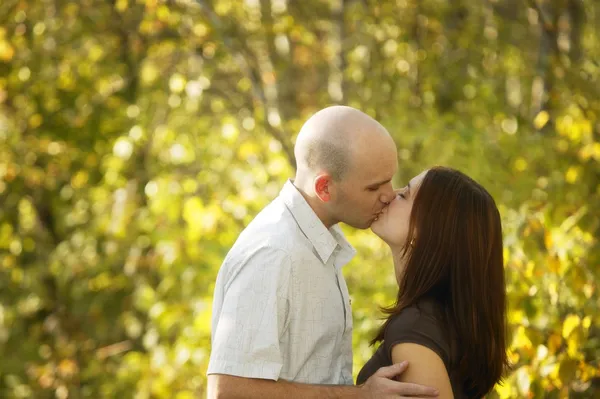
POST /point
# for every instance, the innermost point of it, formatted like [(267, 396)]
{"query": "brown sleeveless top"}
[(418, 324)]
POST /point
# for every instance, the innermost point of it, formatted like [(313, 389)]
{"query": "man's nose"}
[(388, 194)]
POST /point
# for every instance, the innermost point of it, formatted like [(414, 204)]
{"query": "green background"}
[(138, 137)]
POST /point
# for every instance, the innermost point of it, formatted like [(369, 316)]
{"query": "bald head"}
[(333, 138)]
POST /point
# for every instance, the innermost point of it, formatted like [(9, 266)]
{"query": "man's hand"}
[(382, 385)]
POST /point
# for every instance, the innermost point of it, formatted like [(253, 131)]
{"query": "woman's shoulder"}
[(424, 312), (420, 323)]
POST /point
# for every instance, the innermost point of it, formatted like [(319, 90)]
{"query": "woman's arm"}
[(426, 368)]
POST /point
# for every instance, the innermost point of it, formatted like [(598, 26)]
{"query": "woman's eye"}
[(401, 195)]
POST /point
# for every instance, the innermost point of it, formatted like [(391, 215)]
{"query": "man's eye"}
[(373, 188)]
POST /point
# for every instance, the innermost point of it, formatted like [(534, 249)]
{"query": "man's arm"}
[(221, 386), (379, 386)]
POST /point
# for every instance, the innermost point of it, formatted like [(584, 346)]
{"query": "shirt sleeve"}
[(414, 326), (253, 315)]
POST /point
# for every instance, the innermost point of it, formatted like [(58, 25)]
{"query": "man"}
[(282, 322)]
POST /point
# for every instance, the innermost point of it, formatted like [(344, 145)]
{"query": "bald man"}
[(282, 321)]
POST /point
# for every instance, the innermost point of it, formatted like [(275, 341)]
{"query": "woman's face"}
[(392, 224)]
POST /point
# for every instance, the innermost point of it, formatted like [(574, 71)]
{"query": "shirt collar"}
[(323, 240)]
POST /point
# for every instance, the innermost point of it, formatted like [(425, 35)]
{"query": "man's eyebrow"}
[(379, 183)]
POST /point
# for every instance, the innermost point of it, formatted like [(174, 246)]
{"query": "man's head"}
[(345, 163)]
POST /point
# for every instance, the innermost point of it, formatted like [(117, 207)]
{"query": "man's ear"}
[(322, 187)]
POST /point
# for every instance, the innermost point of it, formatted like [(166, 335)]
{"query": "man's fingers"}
[(412, 390), (392, 371), (405, 389)]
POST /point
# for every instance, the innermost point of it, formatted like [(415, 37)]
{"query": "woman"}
[(449, 320)]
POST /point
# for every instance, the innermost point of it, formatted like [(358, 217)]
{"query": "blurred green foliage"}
[(138, 137)]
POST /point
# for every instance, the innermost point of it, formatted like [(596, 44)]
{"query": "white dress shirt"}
[(281, 308)]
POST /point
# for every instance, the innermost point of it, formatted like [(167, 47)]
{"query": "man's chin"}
[(372, 224), (361, 225)]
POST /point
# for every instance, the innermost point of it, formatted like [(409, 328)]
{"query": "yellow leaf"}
[(588, 372), (529, 269), (121, 5), (6, 233), (177, 83), (16, 274), (192, 209), (8, 261), (202, 322), (6, 51), (80, 179), (35, 120), (200, 30), (569, 325), (149, 73), (572, 174), (520, 339), (574, 344), (248, 149), (587, 322), (553, 263), (520, 164), (596, 151), (541, 119), (229, 132), (548, 239), (516, 316), (588, 290), (504, 390), (96, 52), (67, 368)]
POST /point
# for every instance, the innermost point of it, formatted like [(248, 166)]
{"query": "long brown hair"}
[(456, 259)]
